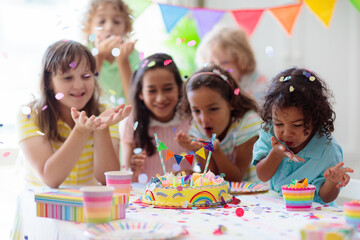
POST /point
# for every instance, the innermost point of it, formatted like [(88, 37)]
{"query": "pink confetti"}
[(230, 70), (141, 55), (179, 188), (59, 96), (4, 54), (239, 212), (44, 107), (167, 62), (73, 65), (6, 154), (191, 43), (237, 91)]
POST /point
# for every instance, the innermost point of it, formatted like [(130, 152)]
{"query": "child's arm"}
[(267, 167), (243, 156), (134, 161), (54, 167), (336, 177)]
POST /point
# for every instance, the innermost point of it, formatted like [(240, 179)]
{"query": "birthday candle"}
[(191, 182), (201, 181), (182, 181)]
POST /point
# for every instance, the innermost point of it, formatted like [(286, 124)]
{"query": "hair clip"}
[(224, 77)]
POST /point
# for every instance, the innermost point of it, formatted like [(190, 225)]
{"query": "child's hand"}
[(281, 149), (126, 49), (137, 162), (105, 46), (183, 140), (83, 123), (114, 115), (338, 175)]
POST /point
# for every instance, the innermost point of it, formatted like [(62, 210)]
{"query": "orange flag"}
[(323, 9), (169, 154), (286, 15)]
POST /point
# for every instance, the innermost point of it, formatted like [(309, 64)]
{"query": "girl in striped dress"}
[(67, 137), (218, 106)]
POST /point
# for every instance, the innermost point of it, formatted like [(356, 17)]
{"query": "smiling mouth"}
[(77, 95)]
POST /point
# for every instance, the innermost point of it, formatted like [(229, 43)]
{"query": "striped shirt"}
[(82, 173), (239, 132)]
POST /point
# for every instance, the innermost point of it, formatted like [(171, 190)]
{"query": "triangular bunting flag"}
[(138, 6), (190, 158), (201, 153), (169, 154), (247, 19), (162, 146), (356, 4), (323, 9), (286, 16), (209, 147), (178, 158), (206, 19), (171, 15)]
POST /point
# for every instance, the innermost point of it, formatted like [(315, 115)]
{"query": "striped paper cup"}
[(352, 213), (119, 180), (298, 199), (97, 203)]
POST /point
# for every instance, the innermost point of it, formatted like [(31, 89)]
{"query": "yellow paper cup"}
[(97, 203)]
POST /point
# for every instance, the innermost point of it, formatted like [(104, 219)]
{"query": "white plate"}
[(247, 187), (123, 229)]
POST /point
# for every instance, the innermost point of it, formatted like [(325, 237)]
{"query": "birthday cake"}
[(298, 195), (187, 191)]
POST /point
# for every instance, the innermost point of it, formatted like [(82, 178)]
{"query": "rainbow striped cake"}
[(186, 191), (298, 195), (352, 213)]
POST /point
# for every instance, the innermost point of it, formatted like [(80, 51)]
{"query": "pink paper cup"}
[(97, 203), (352, 213), (119, 180)]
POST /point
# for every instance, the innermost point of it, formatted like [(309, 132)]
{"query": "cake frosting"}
[(186, 191), (298, 195)]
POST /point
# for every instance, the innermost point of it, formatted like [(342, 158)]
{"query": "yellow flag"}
[(201, 153), (323, 9)]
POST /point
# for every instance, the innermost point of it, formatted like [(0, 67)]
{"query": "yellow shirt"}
[(82, 173)]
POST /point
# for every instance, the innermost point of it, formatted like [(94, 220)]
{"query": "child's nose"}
[(287, 132), (204, 118), (78, 83), (160, 97)]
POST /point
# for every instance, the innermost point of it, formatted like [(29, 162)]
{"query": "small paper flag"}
[(287, 16), (178, 158), (209, 147), (323, 9), (171, 15), (247, 19), (190, 158), (356, 4), (201, 153), (169, 154), (162, 146)]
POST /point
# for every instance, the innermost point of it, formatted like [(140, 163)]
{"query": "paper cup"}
[(298, 199), (119, 180), (97, 203), (352, 213)]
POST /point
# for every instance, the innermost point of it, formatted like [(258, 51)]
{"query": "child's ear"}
[(141, 96)]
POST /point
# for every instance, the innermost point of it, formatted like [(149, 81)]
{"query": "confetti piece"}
[(183, 39), (312, 78), (218, 232), (141, 55), (137, 150), (112, 99), (151, 64), (237, 91), (152, 186), (185, 204), (98, 28), (41, 133), (281, 79), (179, 188), (26, 110), (92, 37), (115, 52), (6, 154), (307, 74), (136, 125), (178, 41), (59, 96), (239, 212), (176, 167), (269, 51), (28, 116), (230, 70), (112, 92), (143, 178), (258, 210), (287, 78), (4, 54), (94, 51), (291, 88), (191, 43), (120, 101), (167, 62), (174, 129)]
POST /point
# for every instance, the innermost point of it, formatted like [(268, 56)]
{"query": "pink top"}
[(166, 133)]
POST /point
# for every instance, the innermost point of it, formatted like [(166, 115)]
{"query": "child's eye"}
[(214, 109), (101, 22), (86, 76), (117, 22), (152, 91), (277, 124), (298, 125), (68, 78), (195, 111), (168, 89)]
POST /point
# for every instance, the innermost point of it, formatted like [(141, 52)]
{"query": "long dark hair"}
[(301, 88), (140, 112), (57, 58), (224, 84)]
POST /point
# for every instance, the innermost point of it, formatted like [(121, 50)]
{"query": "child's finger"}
[(339, 165), (347, 169), (346, 180)]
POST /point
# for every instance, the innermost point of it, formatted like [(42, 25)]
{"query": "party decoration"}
[(169, 154), (189, 158), (73, 64), (138, 6), (201, 152), (356, 4), (206, 19), (160, 154), (167, 62), (178, 158), (161, 146), (286, 16), (59, 96), (171, 15), (237, 91), (209, 155), (239, 212), (323, 9), (115, 52), (136, 125), (247, 19), (291, 88)]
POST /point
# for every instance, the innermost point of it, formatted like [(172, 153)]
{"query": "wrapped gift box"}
[(67, 204)]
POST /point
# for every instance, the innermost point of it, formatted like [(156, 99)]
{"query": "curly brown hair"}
[(94, 5), (241, 102), (301, 88)]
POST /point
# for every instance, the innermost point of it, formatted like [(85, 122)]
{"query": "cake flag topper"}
[(209, 155), (160, 154)]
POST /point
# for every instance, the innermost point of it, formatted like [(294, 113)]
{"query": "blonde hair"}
[(95, 4), (233, 41)]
